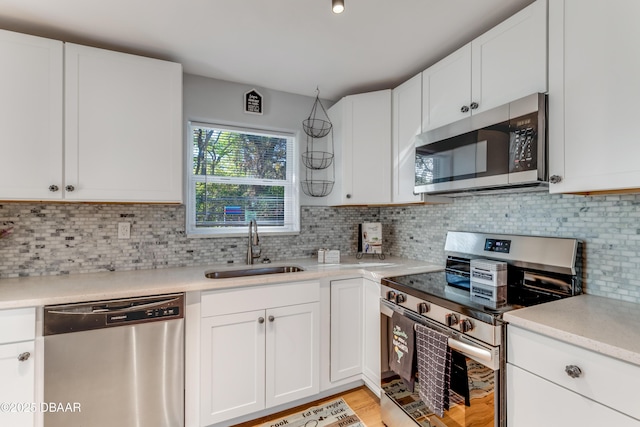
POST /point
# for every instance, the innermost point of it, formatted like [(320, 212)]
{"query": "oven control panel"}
[(458, 322)]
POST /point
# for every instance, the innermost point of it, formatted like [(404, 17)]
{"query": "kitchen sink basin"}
[(259, 271)]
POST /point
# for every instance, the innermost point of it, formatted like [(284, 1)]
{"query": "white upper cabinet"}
[(30, 117), (506, 63), (594, 64), (446, 90), (123, 121), (509, 61), (362, 132), (406, 124)]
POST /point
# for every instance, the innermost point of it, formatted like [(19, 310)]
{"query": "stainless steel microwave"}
[(502, 148)]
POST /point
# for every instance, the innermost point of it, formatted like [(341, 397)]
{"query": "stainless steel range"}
[(485, 276)]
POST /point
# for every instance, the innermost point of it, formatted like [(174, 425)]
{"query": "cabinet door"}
[(18, 384), (406, 124), (446, 90), (533, 401), (363, 140), (232, 366), (30, 117), (346, 328), (123, 121), (292, 353), (371, 334), (593, 95), (509, 61)]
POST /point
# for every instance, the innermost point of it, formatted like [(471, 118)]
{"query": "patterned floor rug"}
[(331, 414)]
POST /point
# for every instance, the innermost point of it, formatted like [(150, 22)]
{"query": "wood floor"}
[(361, 400)]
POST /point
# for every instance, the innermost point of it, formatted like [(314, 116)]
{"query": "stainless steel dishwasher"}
[(115, 363)]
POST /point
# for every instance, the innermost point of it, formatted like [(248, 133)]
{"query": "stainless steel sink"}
[(226, 274)]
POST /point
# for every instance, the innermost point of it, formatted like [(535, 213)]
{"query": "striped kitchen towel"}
[(434, 368)]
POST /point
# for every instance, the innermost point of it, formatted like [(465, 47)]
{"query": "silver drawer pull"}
[(24, 356), (573, 371)]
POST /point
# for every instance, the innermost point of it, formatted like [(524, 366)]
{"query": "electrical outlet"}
[(124, 230)]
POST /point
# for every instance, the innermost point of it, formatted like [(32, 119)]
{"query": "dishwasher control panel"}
[(66, 318), (155, 313)]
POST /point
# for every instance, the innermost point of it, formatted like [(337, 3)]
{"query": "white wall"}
[(210, 100)]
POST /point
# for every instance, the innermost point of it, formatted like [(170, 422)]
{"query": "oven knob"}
[(466, 325), (451, 319), (423, 308), (400, 298), (391, 295)]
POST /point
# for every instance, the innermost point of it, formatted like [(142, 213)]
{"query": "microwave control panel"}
[(523, 147)]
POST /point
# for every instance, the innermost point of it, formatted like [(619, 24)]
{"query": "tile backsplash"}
[(76, 238)]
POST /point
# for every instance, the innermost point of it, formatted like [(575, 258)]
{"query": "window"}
[(236, 175)]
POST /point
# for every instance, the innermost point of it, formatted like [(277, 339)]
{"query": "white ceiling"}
[(288, 45)]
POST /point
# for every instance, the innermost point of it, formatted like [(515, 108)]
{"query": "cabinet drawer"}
[(18, 384), (17, 324), (227, 301), (604, 379)]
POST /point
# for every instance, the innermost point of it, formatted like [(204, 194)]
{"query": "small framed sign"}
[(253, 102)]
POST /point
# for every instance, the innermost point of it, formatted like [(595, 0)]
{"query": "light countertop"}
[(47, 290), (607, 326)]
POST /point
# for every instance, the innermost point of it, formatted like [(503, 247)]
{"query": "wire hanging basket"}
[(317, 159), (317, 188), (317, 125)]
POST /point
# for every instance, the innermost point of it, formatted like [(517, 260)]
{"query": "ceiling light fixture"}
[(337, 6)]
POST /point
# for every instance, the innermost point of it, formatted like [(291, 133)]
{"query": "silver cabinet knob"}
[(573, 371), (260, 319), (271, 318), (554, 179), (24, 356), (464, 109), (474, 105), (53, 188), (69, 188)]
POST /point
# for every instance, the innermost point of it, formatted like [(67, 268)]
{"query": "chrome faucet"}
[(254, 241)]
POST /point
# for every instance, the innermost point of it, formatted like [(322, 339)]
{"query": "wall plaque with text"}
[(253, 102)]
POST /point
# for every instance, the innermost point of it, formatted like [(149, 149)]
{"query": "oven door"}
[(476, 382)]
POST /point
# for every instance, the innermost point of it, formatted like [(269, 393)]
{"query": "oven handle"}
[(474, 352)]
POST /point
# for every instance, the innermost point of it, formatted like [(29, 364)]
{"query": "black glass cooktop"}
[(435, 287)]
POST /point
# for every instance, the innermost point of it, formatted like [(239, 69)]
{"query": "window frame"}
[(291, 185)]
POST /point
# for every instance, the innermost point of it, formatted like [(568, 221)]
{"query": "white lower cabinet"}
[(371, 335), (534, 401), (346, 328), (553, 383), (17, 367), (355, 331), (258, 358)]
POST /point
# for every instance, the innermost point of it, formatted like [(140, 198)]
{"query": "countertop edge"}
[(64, 289), (556, 320)]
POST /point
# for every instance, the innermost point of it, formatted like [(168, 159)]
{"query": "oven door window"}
[(471, 396)]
